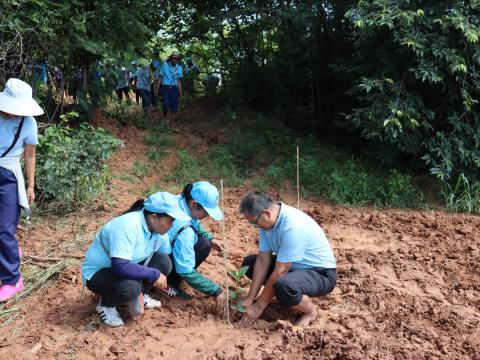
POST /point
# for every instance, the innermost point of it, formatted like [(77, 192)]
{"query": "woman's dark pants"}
[(117, 290), (9, 218), (202, 250)]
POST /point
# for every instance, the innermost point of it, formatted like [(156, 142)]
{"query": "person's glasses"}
[(255, 223)]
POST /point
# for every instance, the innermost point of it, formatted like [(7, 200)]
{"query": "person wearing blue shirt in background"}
[(125, 261), (131, 79), (121, 83), (154, 86), (142, 84), (18, 131), (171, 74), (156, 62), (40, 72), (191, 244), (295, 261)]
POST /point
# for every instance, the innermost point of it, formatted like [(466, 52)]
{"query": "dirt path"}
[(409, 285)]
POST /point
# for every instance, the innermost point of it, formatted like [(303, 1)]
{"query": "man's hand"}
[(253, 313), (248, 302), (30, 195), (220, 302), (161, 282), (217, 246)]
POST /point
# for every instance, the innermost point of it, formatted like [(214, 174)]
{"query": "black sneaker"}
[(175, 292)]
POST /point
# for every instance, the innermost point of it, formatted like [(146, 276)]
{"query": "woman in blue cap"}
[(191, 244), (125, 261)]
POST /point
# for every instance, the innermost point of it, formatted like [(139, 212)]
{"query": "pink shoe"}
[(9, 291)]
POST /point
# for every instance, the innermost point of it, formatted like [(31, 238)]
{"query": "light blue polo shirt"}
[(183, 249), (143, 78), (126, 237), (171, 74), (8, 129), (298, 239)]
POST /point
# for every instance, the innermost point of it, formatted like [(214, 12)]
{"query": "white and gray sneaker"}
[(151, 303), (109, 315)]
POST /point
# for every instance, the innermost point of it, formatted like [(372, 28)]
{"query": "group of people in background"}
[(154, 80), (151, 82)]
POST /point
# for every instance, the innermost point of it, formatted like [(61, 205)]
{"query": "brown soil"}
[(408, 284)]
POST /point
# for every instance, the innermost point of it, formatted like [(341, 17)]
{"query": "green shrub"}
[(71, 166)]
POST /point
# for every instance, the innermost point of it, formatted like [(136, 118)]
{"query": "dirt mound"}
[(409, 283), (408, 288)]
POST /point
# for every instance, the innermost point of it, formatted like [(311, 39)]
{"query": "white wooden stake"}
[(225, 252), (298, 175)]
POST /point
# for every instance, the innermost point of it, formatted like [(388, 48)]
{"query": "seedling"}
[(238, 275), (233, 293), (239, 306)]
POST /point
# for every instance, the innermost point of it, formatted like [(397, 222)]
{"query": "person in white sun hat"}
[(18, 134)]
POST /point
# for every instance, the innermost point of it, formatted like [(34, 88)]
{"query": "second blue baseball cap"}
[(207, 195), (166, 203), (156, 63)]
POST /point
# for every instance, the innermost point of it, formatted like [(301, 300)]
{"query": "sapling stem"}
[(225, 252)]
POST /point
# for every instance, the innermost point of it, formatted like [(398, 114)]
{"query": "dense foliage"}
[(70, 164), (393, 80), (403, 75), (418, 70)]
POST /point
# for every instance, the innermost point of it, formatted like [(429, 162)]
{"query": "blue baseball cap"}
[(164, 202), (207, 195)]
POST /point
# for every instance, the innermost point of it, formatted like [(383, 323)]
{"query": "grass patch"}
[(350, 181), (217, 164), (138, 172), (158, 140), (265, 153), (127, 113)]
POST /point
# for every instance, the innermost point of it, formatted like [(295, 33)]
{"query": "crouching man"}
[(295, 261)]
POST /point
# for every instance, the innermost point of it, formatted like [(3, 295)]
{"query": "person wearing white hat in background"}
[(127, 259), (171, 74), (18, 133)]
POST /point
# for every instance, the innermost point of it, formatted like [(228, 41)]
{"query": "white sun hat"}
[(16, 99)]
